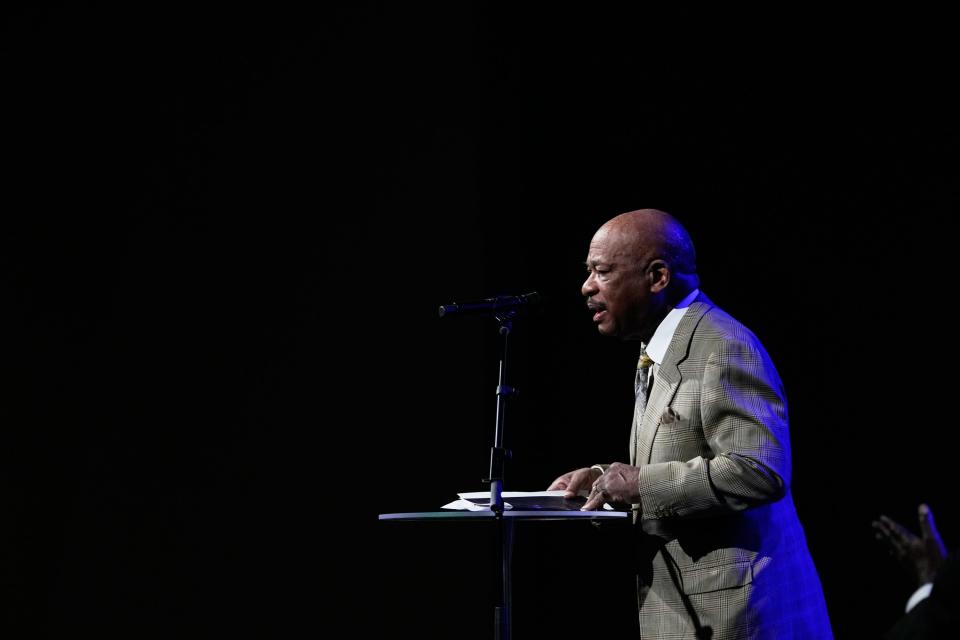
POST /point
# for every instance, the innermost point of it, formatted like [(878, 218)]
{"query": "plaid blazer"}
[(720, 544)]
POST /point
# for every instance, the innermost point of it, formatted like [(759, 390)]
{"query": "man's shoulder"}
[(713, 319), (713, 324)]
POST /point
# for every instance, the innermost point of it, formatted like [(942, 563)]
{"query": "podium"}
[(538, 514), (504, 309), (505, 521)]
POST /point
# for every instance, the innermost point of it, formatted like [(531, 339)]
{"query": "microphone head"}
[(490, 306)]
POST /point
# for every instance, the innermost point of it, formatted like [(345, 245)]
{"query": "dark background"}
[(226, 233)]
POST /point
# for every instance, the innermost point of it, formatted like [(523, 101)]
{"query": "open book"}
[(521, 500)]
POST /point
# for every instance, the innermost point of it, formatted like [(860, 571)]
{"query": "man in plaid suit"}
[(721, 553)]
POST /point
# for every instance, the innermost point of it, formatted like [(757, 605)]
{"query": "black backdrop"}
[(227, 232)]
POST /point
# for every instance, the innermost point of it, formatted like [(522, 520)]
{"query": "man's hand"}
[(575, 481), (620, 483), (920, 555)]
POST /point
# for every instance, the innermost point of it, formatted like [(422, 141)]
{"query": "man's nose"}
[(589, 286)]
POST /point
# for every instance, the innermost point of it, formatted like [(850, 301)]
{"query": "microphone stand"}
[(498, 456)]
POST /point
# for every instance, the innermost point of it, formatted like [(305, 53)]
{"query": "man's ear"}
[(659, 273)]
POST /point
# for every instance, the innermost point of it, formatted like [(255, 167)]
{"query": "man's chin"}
[(606, 330)]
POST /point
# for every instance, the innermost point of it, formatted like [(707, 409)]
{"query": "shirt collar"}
[(656, 349)]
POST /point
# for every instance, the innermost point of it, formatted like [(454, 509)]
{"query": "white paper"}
[(480, 500), (466, 505), (480, 495)]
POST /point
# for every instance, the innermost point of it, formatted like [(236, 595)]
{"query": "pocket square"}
[(669, 415)]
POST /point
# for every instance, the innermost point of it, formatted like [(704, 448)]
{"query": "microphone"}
[(490, 305)]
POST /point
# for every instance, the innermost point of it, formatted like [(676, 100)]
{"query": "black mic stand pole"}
[(498, 456)]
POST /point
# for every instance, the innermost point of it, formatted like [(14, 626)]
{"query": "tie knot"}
[(645, 361)]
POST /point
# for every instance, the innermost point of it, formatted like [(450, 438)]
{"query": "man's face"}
[(616, 288)]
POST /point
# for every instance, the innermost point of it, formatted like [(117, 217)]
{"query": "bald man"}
[(721, 552)]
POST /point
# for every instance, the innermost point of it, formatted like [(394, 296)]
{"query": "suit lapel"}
[(667, 379)]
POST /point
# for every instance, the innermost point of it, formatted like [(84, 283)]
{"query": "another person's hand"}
[(920, 555), (619, 483), (575, 481)]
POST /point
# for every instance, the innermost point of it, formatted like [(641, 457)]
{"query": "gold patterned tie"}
[(641, 386)]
